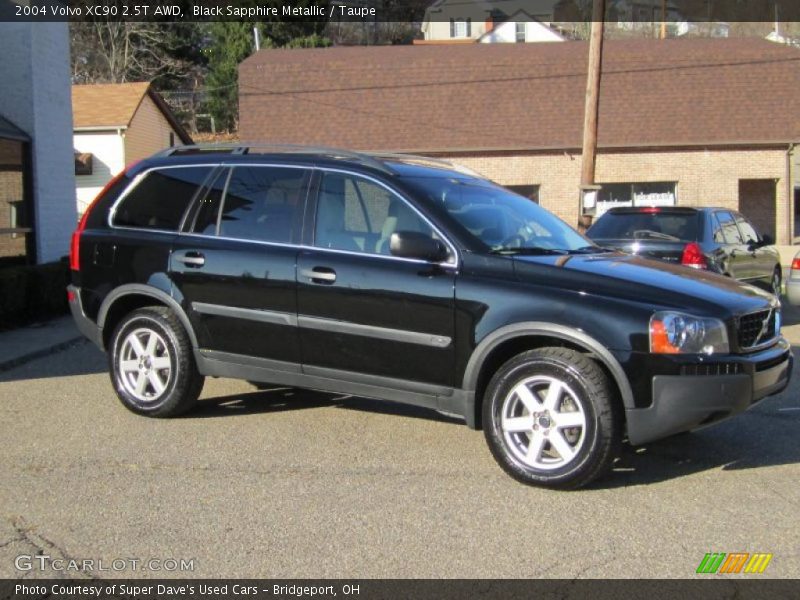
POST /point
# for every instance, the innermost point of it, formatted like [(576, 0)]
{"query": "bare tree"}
[(116, 52)]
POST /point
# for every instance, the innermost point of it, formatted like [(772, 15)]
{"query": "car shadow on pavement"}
[(76, 358), (765, 436), (287, 399)]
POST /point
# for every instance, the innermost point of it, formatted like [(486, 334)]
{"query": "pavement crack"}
[(43, 544)]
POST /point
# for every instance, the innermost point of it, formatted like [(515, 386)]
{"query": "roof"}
[(479, 10), (484, 97), (113, 105)]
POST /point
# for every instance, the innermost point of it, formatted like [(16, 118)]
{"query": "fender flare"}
[(568, 334), (138, 289)]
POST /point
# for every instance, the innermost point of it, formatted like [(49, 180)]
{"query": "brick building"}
[(690, 122)]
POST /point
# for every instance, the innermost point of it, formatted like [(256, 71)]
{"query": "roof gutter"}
[(113, 128), (732, 144)]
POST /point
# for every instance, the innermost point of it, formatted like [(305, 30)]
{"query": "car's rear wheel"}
[(152, 365), (550, 419)]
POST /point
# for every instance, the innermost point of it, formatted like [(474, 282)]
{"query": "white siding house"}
[(520, 30), (115, 125)]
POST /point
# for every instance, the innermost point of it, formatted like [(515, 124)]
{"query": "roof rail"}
[(425, 160), (260, 147), (371, 159)]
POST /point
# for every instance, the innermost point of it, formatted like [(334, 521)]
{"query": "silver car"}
[(793, 282)]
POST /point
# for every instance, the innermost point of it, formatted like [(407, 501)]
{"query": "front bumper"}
[(85, 325), (684, 402)]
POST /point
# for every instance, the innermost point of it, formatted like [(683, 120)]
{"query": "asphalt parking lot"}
[(291, 483)]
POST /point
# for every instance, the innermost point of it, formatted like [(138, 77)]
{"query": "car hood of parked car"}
[(617, 275)]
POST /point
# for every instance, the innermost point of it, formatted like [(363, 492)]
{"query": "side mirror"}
[(412, 244), (767, 240)]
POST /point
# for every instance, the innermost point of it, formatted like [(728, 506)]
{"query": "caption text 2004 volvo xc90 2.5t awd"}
[(409, 280)]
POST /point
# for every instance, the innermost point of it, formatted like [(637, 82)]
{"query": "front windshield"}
[(505, 222)]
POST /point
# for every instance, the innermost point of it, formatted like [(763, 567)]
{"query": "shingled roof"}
[(113, 105), (497, 97)]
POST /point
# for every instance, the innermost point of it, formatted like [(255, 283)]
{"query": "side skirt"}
[(237, 366)]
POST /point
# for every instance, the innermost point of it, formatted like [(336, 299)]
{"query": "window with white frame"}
[(460, 28)]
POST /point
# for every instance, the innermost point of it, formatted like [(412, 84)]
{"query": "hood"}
[(662, 285)]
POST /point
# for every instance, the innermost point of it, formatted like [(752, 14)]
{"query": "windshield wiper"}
[(529, 251)]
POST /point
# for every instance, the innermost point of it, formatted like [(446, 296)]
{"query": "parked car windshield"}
[(505, 222), (667, 226)]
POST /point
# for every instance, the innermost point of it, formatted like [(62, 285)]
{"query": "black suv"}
[(410, 280), (717, 239)]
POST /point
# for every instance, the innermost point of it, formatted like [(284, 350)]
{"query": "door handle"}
[(320, 274), (192, 259)]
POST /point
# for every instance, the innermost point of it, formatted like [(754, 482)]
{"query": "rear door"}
[(365, 315), (234, 265)]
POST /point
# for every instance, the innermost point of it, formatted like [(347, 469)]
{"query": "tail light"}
[(693, 256), (796, 264), (75, 242)]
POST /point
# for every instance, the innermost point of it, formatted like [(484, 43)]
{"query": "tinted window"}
[(159, 200), (206, 214), (263, 203), (747, 230), (633, 225), (730, 233), (360, 216)]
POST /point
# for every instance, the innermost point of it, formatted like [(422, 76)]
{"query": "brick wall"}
[(703, 177)]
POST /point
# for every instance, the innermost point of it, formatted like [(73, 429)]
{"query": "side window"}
[(747, 230), (263, 203), (161, 198), (730, 232), (206, 214), (717, 234), (358, 215)]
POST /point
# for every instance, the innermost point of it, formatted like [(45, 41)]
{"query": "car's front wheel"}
[(152, 365), (550, 420)]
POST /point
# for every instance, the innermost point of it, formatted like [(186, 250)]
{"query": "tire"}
[(152, 365), (560, 441), (775, 282)]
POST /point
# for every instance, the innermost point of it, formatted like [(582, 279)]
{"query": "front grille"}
[(751, 329), (712, 369)]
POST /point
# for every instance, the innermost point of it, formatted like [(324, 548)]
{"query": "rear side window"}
[(667, 226), (263, 203), (160, 199)]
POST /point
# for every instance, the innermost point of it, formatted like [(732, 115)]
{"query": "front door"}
[(234, 266), (738, 257), (363, 311)]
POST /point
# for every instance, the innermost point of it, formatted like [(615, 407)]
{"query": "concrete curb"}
[(18, 361)]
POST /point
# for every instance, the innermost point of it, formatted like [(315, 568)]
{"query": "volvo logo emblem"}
[(764, 327)]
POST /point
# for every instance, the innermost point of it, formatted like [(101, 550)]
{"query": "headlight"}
[(679, 333)]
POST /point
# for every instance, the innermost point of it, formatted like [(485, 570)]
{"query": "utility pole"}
[(663, 19), (588, 189)]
